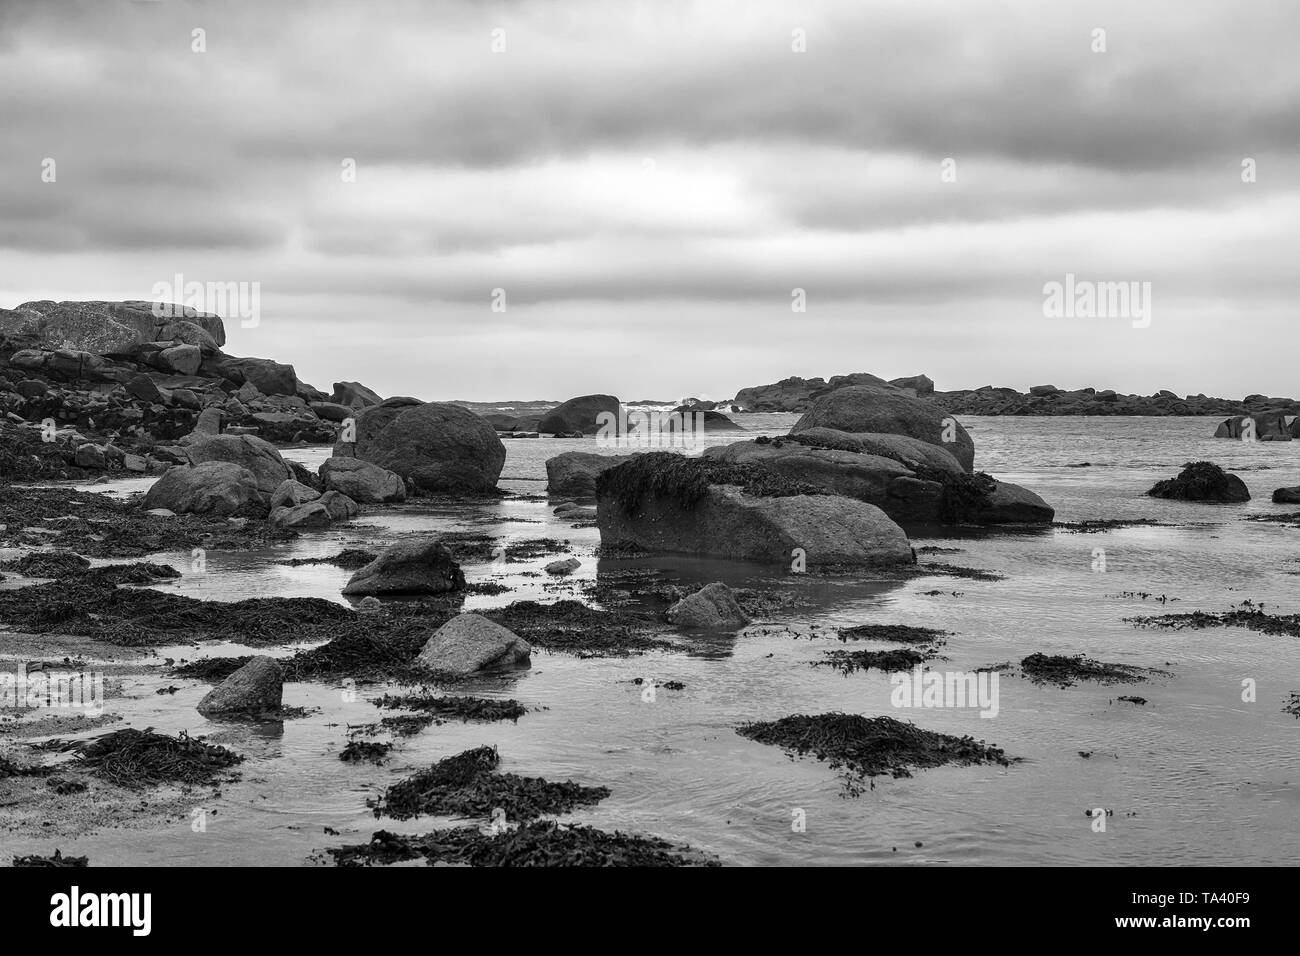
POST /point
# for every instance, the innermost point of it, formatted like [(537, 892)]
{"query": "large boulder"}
[(292, 493), (1268, 426), (885, 409), (255, 689), (409, 566), (911, 481), (354, 395), (470, 643), (439, 447), (578, 415), (921, 385), (361, 481), (268, 377), (213, 487), (714, 606), (1202, 481), (573, 474), (112, 328), (248, 451), (1281, 496), (664, 502)]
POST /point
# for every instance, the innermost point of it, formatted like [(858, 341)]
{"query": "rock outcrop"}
[(714, 606), (665, 502), (885, 409), (213, 487), (256, 689), (362, 481), (470, 643), (409, 566), (438, 447), (1202, 481), (578, 416), (572, 474)]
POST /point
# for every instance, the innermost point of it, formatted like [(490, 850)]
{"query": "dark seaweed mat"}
[(467, 785), (686, 481), (899, 659), (900, 633), (347, 558), (572, 627), (543, 843), (132, 617), (141, 758), (870, 746), (58, 859), (1248, 615), (1066, 671), (460, 708), (364, 750), (102, 527)]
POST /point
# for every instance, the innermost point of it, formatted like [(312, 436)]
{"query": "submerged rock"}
[(1202, 481), (256, 688), (1287, 496), (713, 606), (411, 566), (567, 566), (469, 643)]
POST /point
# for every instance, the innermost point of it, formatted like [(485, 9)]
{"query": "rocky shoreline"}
[(798, 395), (869, 465)]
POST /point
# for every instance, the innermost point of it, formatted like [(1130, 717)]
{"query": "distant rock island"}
[(796, 394)]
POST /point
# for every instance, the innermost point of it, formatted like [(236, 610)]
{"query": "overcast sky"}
[(648, 182)]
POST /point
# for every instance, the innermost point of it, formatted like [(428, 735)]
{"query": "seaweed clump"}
[(686, 481), (892, 661), (1247, 614), (543, 843), (348, 558), (141, 758), (459, 708), (358, 750), (964, 496), (900, 633), (58, 859), (467, 785), (870, 746), (572, 627), (1064, 671)]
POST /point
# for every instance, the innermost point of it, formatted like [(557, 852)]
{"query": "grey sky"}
[(649, 181)]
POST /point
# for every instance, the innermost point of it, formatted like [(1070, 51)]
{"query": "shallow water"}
[(1194, 776)]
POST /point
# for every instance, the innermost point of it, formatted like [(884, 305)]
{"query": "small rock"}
[(713, 606)]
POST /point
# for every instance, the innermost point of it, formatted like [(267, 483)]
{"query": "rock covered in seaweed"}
[(1202, 481), (409, 566), (666, 502)]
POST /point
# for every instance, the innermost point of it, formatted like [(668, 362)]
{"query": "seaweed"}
[(572, 627), (349, 558), (140, 758), (964, 496), (468, 785), (686, 481), (211, 669), (900, 633), (1065, 671), (870, 746), (460, 708), (58, 859), (1248, 615), (361, 750), (543, 843), (891, 661)]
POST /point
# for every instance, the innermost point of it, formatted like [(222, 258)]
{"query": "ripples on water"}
[(1194, 776)]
